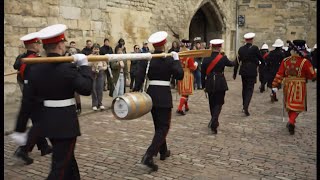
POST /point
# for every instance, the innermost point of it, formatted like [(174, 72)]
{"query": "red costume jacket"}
[(293, 71), (185, 86)]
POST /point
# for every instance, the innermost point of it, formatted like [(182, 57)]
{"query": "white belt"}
[(59, 103), (159, 83)]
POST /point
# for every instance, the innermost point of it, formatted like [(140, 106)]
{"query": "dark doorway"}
[(198, 26), (205, 24)]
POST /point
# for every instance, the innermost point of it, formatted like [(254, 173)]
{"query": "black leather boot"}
[(181, 112), (291, 128), (275, 97), (165, 155), (214, 131), (22, 154), (46, 150), (148, 161), (246, 112)]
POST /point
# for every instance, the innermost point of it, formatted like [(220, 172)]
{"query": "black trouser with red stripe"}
[(216, 100), (34, 137), (34, 134), (64, 165), (161, 119), (247, 90)]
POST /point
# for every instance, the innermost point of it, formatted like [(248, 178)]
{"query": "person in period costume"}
[(214, 81), (293, 72), (249, 57), (273, 62), (51, 88), (185, 86), (262, 68), (159, 73), (32, 44)]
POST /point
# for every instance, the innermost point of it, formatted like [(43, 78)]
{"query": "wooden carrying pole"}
[(118, 57), (9, 74)]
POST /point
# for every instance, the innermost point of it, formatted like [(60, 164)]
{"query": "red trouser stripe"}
[(67, 160)]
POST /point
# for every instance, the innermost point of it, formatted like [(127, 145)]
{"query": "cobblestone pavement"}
[(248, 148)]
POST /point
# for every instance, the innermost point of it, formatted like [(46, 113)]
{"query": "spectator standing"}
[(120, 74), (197, 72), (175, 46), (145, 48), (134, 67), (88, 49), (98, 69), (106, 49)]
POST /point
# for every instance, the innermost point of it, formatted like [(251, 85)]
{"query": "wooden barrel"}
[(131, 105)]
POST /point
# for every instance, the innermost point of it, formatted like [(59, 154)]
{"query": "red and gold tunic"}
[(185, 86), (294, 71)]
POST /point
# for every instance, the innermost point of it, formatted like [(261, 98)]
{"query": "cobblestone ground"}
[(254, 147)]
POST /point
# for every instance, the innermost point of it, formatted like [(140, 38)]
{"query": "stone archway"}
[(206, 23)]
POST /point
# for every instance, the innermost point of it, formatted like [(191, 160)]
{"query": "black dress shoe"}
[(46, 150), (181, 112), (23, 155), (165, 155), (186, 109), (148, 161)]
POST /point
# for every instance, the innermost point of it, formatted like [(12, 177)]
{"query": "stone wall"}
[(284, 19), (133, 20)]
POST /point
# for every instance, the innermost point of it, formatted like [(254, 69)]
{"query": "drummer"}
[(159, 73)]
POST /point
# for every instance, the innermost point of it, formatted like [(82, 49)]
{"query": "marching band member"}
[(273, 61), (51, 88), (159, 73), (33, 45), (249, 56), (214, 82)]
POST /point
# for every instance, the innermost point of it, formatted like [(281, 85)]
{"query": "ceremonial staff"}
[(117, 57)]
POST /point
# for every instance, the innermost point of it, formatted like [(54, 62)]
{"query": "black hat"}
[(300, 44)]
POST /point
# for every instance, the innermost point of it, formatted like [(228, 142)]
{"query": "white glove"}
[(175, 55), (195, 64), (19, 138), (275, 89), (80, 59)]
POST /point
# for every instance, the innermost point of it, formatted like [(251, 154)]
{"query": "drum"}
[(131, 105)]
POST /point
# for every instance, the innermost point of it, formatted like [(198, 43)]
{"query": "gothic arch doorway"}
[(206, 23)]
